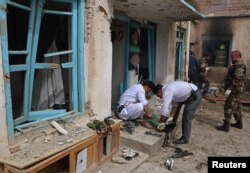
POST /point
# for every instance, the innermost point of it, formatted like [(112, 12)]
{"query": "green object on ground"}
[(154, 120)]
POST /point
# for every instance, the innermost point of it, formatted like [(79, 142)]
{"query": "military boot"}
[(238, 124), (224, 127)]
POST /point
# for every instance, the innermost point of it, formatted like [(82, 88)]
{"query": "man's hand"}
[(169, 120), (227, 92), (149, 116), (162, 118)]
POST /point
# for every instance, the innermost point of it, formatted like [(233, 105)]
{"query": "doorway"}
[(133, 54)]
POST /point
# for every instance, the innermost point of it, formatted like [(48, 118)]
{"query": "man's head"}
[(158, 90), (191, 53), (207, 56), (235, 56), (148, 86)]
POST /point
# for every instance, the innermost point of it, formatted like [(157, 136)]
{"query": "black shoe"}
[(180, 141), (182, 154), (224, 127), (238, 124)]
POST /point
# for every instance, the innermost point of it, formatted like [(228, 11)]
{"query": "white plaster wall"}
[(171, 53), (99, 60), (241, 40), (3, 126), (165, 52), (133, 78), (118, 67)]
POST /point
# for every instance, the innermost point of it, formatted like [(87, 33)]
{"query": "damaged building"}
[(64, 62), (224, 29)]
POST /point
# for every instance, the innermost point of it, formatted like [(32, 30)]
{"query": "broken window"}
[(219, 48), (42, 59)]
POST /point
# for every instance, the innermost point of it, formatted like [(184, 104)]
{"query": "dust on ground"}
[(206, 141)]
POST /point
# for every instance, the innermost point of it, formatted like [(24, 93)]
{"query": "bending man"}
[(177, 94)]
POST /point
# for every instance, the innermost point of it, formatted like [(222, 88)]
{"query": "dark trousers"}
[(189, 115), (193, 77)]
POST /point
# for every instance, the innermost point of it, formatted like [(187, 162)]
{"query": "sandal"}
[(128, 154), (153, 133)]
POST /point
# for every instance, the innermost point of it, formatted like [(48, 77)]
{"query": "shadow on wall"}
[(216, 75)]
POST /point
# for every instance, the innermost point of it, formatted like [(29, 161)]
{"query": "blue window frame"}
[(25, 45)]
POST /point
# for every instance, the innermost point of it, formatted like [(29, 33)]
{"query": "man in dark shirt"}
[(193, 68)]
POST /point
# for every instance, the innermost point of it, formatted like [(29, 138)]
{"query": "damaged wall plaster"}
[(99, 59), (164, 52), (89, 13), (88, 109)]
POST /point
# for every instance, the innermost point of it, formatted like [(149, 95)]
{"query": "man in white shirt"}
[(133, 103), (175, 95)]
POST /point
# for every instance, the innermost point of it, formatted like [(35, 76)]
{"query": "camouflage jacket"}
[(235, 78), (203, 65)]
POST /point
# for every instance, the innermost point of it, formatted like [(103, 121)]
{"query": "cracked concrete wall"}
[(165, 52), (3, 125), (98, 55)]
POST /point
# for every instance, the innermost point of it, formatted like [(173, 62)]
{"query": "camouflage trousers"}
[(232, 107)]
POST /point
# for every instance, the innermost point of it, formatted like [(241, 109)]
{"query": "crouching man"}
[(133, 103)]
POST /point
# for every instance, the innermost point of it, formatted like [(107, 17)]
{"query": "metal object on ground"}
[(169, 164), (161, 126)]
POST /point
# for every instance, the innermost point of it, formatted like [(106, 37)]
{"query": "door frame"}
[(151, 50)]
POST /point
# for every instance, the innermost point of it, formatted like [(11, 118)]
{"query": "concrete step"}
[(142, 142), (148, 167), (120, 165)]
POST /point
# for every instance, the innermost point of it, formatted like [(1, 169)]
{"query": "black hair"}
[(157, 88), (191, 53), (148, 83), (206, 54)]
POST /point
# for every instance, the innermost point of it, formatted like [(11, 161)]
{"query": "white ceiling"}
[(157, 10)]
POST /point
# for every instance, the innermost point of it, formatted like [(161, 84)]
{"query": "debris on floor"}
[(169, 163), (129, 126), (153, 133), (181, 153), (128, 153), (101, 127), (59, 128)]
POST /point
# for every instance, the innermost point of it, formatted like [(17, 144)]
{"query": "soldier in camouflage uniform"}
[(203, 67), (234, 87)]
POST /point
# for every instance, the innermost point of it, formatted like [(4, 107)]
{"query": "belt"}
[(120, 108)]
